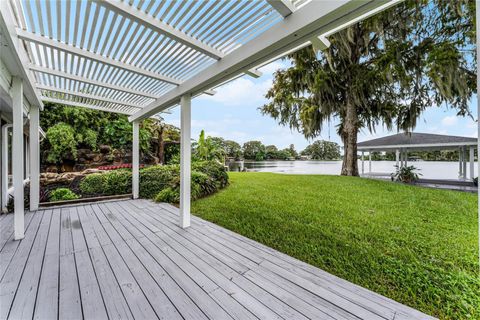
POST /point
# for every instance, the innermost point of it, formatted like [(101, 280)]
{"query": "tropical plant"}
[(387, 69), (62, 194), (93, 184), (209, 148), (406, 174)]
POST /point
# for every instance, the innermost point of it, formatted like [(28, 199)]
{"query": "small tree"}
[(254, 150)]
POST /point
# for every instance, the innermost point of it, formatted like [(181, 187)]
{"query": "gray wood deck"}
[(129, 259)]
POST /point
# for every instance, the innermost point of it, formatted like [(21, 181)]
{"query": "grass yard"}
[(415, 245)]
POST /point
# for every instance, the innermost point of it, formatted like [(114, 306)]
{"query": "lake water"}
[(428, 169)]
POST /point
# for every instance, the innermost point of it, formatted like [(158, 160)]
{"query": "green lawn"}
[(415, 245)]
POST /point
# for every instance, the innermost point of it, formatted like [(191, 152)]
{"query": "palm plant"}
[(406, 174)]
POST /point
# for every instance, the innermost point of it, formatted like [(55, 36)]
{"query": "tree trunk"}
[(349, 137)]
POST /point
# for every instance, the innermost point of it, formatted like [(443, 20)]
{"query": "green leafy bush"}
[(202, 185), (155, 178), (169, 195), (62, 194), (93, 184), (117, 182), (214, 170), (62, 141)]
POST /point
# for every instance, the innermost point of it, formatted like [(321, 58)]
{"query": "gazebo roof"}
[(416, 141)]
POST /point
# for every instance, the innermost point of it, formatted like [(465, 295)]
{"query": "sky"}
[(233, 113)]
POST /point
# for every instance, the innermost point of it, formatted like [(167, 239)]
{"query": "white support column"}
[(34, 150), (5, 166), (460, 166), (26, 149), (464, 152), (406, 157), (136, 160), (185, 160), (370, 162), (397, 157), (17, 156), (472, 163), (363, 162)]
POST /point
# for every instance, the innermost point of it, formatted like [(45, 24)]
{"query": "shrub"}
[(117, 182), (202, 185), (214, 170), (62, 140), (155, 178), (169, 195), (92, 184), (62, 194)]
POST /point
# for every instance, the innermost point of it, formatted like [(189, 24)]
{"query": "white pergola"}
[(142, 57)]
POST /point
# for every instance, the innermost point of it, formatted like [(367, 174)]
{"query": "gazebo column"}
[(185, 159), (405, 157), (464, 152), (363, 162), (472, 163), (34, 152), (460, 166), (136, 159), (370, 161), (397, 157), (4, 173), (17, 157)]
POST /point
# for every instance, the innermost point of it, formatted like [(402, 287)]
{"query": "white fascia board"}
[(17, 54), (314, 18), (82, 105), (418, 146), (254, 73), (130, 12), (283, 7), (44, 41)]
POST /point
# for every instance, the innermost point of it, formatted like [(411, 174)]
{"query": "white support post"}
[(17, 156), (464, 157), (472, 163), (397, 157), (406, 157), (34, 151), (363, 162), (136, 160), (5, 166), (370, 162), (460, 166), (185, 160)]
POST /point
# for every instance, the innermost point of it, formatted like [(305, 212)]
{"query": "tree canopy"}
[(322, 150), (385, 70)]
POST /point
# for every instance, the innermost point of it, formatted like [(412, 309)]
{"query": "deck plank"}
[(129, 259), (113, 298), (46, 306), (69, 300), (93, 305), (13, 274), (194, 290)]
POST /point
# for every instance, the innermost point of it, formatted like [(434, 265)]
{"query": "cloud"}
[(239, 92), (449, 121)]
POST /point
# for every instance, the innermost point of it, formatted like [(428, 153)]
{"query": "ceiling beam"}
[(313, 19), (88, 96), (150, 22), (32, 37), (283, 7), (107, 85), (82, 105)]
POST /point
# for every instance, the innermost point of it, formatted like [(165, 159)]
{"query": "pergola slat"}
[(160, 27), (25, 35)]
